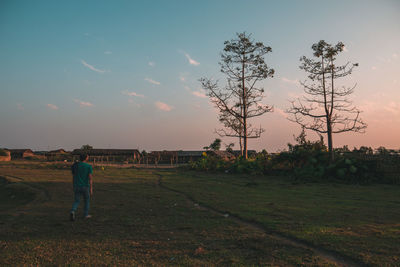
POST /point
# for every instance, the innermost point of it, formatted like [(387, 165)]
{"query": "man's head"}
[(83, 157)]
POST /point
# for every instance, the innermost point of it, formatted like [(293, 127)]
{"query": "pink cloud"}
[(163, 106), (199, 94), (51, 106), (83, 103), (191, 61), (132, 94)]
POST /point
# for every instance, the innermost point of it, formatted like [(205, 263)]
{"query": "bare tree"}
[(326, 108), (242, 61)]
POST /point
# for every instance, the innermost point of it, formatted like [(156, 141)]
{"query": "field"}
[(173, 217)]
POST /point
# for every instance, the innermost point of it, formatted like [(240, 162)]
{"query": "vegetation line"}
[(334, 256)]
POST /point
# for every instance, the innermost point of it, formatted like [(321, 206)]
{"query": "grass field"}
[(139, 221)]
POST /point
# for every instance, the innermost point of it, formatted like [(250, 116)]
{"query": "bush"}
[(208, 163), (309, 161), (252, 166), (306, 161), (240, 165)]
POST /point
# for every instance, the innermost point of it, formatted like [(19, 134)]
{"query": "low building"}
[(108, 155), (189, 156), (5, 155), (22, 154), (161, 157), (58, 155)]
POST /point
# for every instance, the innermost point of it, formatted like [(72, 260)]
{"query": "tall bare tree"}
[(242, 61), (326, 108)]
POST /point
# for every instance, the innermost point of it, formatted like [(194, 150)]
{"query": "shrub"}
[(208, 163), (252, 166)]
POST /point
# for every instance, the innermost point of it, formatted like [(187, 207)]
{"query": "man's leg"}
[(86, 197), (77, 198)]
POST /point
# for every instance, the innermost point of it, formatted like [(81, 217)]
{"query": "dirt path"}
[(333, 256)]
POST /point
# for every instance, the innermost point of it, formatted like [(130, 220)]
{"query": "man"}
[(83, 185)]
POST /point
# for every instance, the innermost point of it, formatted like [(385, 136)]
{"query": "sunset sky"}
[(124, 74)]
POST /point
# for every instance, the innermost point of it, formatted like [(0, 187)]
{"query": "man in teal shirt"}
[(83, 185)]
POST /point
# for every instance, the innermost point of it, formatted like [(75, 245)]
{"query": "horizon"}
[(125, 74)]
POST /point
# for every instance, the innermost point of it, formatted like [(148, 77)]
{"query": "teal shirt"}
[(81, 177)]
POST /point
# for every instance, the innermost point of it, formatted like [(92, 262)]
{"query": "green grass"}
[(361, 222), (135, 222)]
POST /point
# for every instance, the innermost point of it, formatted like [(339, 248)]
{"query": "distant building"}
[(5, 155), (162, 157), (58, 155), (109, 155), (22, 154), (188, 156)]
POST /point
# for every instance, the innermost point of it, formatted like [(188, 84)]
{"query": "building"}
[(5, 155), (189, 156), (58, 155), (22, 154), (109, 155)]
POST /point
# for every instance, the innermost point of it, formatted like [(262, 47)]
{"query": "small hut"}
[(5, 155)]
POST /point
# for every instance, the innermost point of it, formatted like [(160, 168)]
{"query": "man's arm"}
[(73, 171), (91, 184)]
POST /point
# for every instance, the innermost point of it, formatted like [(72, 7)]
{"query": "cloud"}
[(281, 112), (20, 106), (83, 103), (107, 52), (393, 108), (163, 106), (52, 106), (286, 80), (395, 56), (152, 64), (199, 94), (131, 94), (152, 81), (91, 67), (183, 76), (191, 61)]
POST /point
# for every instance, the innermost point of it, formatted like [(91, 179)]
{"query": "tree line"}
[(325, 108)]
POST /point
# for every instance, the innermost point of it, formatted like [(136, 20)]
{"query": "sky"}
[(125, 74)]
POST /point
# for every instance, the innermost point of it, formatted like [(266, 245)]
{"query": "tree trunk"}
[(240, 144), (245, 139), (330, 141), (244, 113)]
